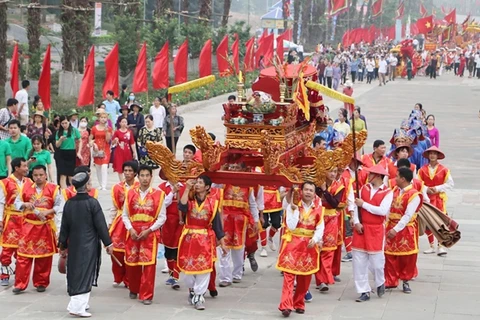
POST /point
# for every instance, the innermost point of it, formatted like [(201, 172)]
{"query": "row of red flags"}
[(160, 72)]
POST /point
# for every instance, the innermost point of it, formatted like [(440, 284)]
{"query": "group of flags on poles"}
[(160, 71)]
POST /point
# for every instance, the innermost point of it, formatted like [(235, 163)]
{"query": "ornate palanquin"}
[(279, 140)]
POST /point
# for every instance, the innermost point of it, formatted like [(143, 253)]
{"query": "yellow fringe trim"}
[(329, 92), (191, 84)]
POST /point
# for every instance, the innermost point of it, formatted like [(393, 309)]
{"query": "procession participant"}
[(402, 151), (172, 229), (239, 207), (272, 218), (377, 156), (10, 218), (83, 225), (369, 234), (299, 256), (401, 247), (202, 229), (417, 183), (117, 230), (344, 214), (144, 213), (41, 201), (253, 230), (70, 192), (331, 193), (438, 180)]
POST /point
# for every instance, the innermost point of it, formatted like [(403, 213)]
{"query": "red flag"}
[(451, 18), (425, 25), (112, 73), (86, 94), (260, 47), (140, 77), (180, 63), (377, 8), (400, 10), (235, 53), (248, 61), (444, 11), (286, 8), (44, 81), (280, 38), (205, 59), (268, 49), (222, 55), (337, 6), (423, 11), (160, 75), (14, 71)]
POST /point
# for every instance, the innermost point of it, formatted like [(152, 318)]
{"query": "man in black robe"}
[(83, 226)]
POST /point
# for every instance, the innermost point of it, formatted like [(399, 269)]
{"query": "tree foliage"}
[(33, 35), (3, 53)]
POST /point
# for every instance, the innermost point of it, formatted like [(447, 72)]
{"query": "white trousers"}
[(102, 173), (199, 282), (237, 257), (362, 263), (79, 303)]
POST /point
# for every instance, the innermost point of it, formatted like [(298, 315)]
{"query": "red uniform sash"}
[(12, 219), (172, 229), (295, 257), (236, 215), (196, 248), (271, 199), (70, 192), (372, 239), (406, 241), (117, 230), (331, 216), (142, 215), (38, 238), (439, 177)]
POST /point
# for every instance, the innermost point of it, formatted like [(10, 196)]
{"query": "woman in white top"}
[(341, 125), (158, 113)]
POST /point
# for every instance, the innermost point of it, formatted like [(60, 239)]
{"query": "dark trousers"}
[(169, 143), (273, 219), (409, 74), (456, 67), (478, 73), (329, 82), (370, 76), (353, 75), (375, 73), (433, 72), (321, 79), (360, 76)]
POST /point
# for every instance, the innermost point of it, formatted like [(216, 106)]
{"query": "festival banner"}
[(111, 72), (279, 40), (451, 18), (222, 57), (268, 49), (205, 59), (400, 10), (235, 53), (423, 11), (425, 25), (377, 8), (260, 47), (160, 72), (86, 95), (447, 33), (14, 71), (337, 7), (249, 59), (180, 63), (44, 82), (140, 77)]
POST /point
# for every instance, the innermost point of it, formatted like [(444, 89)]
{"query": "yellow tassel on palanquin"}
[(191, 84)]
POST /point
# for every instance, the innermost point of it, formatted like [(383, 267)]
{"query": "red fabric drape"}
[(260, 48), (112, 72), (14, 71), (140, 77), (205, 59), (160, 75), (44, 81), (235, 53), (248, 61), (268, 49), (222, 55), (280, 38), (86, 96), (180, 63)]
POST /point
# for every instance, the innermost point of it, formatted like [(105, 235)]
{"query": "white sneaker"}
[(81, 314), (116, 284), (441, 251), (429, 251), (271, 244), (165, 270), (264, 253)]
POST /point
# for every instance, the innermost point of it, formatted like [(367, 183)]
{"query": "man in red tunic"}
[(11, 218), (41, 201), (438, 180), (70, 192), (377, 157), (331, 193), (369, 233), (172, 229), (299, 255), (417, 183), (201, 231), (117, 230), (143, 215), (401, 247)]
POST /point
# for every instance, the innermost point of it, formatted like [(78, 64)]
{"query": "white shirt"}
[(22, 97), (158, 115), (409, 212), (293, 217), (393, 61), (382, 66), (162, 216), (370, 65), (113, 210), (447, 186), (381, 210), (2, 197)]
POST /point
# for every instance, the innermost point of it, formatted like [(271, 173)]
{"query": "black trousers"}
[(370, 76), (456, 67), (169, 143), (273, 219), (171, 254), (353, 75), (329, 82), (321, 79)]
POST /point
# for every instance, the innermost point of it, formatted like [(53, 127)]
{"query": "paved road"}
[(446, 288)]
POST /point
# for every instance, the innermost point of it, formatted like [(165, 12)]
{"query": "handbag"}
[(142, 152), (98, 154)]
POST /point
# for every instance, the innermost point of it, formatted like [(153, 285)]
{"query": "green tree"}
[(158, 32), (33, 35), (3, 52)]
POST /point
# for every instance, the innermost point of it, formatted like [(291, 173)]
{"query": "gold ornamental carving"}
[(211, 152)]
